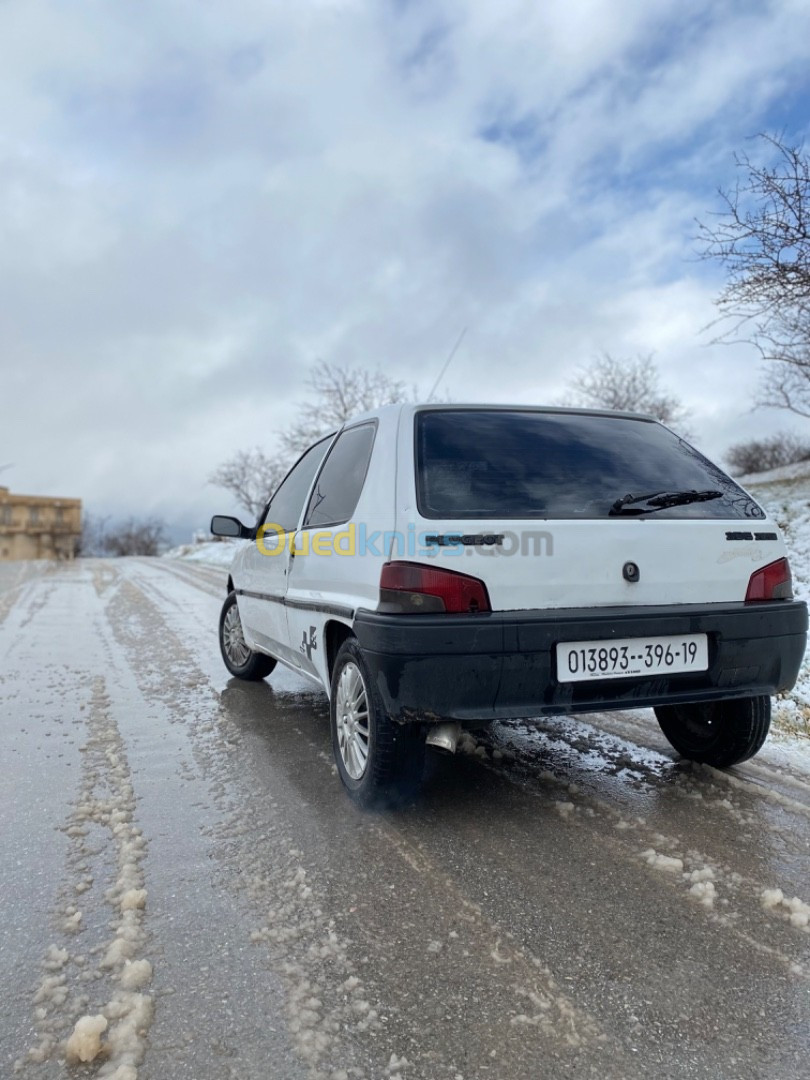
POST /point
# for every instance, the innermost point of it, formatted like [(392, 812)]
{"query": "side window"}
[(341, 480), (286, 505)]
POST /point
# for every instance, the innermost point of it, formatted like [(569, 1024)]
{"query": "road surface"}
[(181, 868)]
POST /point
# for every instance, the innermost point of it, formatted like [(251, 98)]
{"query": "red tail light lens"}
[(414, 588), (771, 582)]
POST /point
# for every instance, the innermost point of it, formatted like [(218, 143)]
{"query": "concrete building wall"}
[(38, 527)]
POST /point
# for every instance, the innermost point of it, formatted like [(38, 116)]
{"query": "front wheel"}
[(719, 733), (239, 658), (380, 762)]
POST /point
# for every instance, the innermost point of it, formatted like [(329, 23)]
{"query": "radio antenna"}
[(442, 373)]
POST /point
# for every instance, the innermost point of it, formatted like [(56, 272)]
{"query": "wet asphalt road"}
[(565, 899)]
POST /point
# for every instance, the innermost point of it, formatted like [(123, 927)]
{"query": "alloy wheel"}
[(352, 720), (233, 639)]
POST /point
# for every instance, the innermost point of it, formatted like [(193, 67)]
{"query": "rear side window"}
[(513, 464), (337, 489)]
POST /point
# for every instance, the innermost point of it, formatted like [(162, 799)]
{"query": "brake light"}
[(414, 588), (771, 582)]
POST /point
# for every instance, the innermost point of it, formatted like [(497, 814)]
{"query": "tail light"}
[(415, 588), (771, 582)]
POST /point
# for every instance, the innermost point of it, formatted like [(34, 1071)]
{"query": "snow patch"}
[(55, 958), (106, 801), (85, 1042), (212, 552), (395, 1064), (72, 923), (795, 910), (704, 892), (785, 495), (52, 991), (126, 1040), (132, 899), (135, 974), (667, 863), (704, 874)]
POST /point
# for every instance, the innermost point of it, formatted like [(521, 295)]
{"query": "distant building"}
[(38, 527)]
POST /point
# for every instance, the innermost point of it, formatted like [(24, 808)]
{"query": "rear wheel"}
[(379, 761), (239, 658), (719, 733)]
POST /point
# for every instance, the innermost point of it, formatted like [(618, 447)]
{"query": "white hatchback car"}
[(436, 566)]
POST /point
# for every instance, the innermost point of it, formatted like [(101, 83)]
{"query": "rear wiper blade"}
[(660, 500)]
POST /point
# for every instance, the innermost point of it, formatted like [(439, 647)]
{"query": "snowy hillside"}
[(213, 552), (785, 494)]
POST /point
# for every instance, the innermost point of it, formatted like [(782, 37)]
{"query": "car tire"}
[(719, 733), (239, 659), (379, 761)]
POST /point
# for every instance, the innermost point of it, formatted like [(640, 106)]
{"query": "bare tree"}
[(762, 238), (759, 455), (135, 536), (251, 476), (631, 385), (336, 394), (93, 534)]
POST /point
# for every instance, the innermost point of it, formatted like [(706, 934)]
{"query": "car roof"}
[(444, 406)]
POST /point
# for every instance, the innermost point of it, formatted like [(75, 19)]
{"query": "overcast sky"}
[(200, 200)]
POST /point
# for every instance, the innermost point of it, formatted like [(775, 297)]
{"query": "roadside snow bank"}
[(785, 494), (213, 552)]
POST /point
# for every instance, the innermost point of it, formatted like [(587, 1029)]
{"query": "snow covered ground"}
[(785, 494), (189, 892), (213, 552)]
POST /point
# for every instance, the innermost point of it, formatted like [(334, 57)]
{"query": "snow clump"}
[(668, 863), (85, 1042), (799, 911)]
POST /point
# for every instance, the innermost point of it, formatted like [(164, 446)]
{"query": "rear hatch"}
[(566, 509)]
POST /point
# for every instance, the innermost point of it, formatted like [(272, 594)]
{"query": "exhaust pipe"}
[(444, 737)]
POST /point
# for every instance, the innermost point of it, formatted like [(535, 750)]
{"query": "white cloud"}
[(200, 201)]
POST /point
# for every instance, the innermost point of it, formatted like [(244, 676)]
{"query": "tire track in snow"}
[(641, 728), (13, 579), (600, 754), (211, 582), (540, 1001), (735, 901), (27, 599)]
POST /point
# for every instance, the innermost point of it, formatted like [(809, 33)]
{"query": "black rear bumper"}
[(503, 664)]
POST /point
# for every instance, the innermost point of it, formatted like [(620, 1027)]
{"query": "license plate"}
[(625, 658)]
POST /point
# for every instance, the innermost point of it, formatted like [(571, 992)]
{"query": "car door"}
[(324, 571), (266, 562)]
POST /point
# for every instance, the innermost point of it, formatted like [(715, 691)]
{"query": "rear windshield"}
[(512, 464)]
